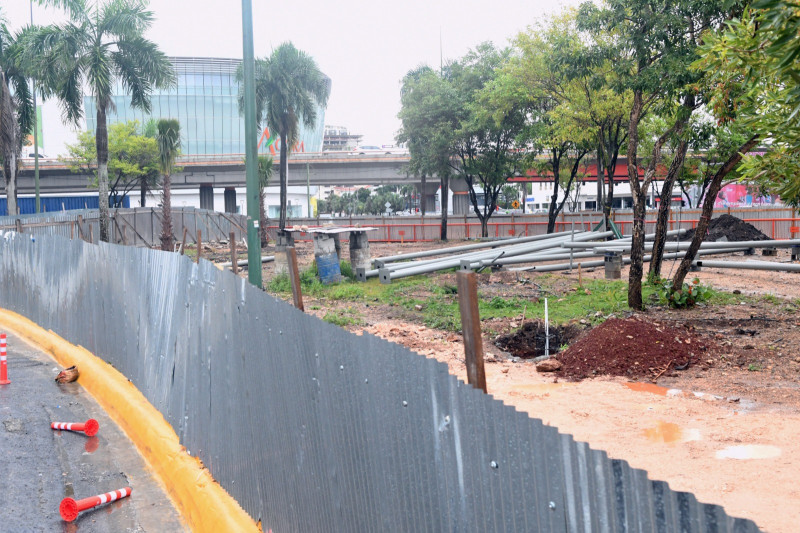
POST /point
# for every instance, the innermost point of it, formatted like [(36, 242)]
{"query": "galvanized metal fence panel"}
[(312, 428), (139, 226)]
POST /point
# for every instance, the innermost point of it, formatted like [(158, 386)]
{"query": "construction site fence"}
[(141, 226), (312, 428), (776, 223)]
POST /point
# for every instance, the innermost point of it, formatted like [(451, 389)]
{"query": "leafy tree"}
[(265, 170), (132, 160), (16, 110), (654, 43), (430, 113), (509, 194), (289, 87), (363, 194), (169, 146), (101, 46), (485, 142)]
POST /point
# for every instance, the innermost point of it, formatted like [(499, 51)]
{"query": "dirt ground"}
[(724, 428)]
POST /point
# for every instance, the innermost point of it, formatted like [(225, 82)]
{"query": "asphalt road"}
[(39, 466)]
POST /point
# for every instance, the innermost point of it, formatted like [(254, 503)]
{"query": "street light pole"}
[(253, 241)]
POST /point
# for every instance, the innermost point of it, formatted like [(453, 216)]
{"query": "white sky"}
[(364, 47)]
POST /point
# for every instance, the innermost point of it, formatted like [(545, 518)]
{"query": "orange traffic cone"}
[(70, 508), (3, 364), (90, 427)]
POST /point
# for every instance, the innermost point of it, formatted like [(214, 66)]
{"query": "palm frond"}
[(124, 18)]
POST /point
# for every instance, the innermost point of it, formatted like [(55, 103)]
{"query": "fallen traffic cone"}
[(70, 508), (3, 364), (90, 427)]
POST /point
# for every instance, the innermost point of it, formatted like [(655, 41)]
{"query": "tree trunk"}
[(445, 206), (637, 244), (143, 192), (166, 215), (10, 167), (422, 197), (599, 205), (101, 142), (484, 226), (552, 214), (262, 223), (708, 210), (9, 143), (664, 208), (284, 176)]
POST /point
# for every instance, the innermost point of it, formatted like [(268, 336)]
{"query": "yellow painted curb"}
[(202, 502)]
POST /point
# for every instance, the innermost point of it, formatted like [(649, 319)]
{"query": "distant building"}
[(339, 139), (205, 101)]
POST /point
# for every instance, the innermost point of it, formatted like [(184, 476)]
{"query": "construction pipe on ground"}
[(551, 241), (750, 265), (685, 245), (264, 259), (386, 275), (384, 261), (625, 260)]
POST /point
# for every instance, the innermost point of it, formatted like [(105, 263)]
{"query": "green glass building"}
[(205, 102)]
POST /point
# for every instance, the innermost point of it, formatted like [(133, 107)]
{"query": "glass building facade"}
[(205, 102)]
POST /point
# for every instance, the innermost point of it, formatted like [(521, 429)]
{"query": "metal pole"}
[(251, 163), (471, 328), (547, 326), (35, 138)]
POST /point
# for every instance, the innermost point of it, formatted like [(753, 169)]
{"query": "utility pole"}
[(35, 138), (251, 168)]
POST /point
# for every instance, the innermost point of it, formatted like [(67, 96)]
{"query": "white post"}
[(546, 331)]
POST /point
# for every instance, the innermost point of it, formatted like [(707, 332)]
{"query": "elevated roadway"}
[(227, 170)]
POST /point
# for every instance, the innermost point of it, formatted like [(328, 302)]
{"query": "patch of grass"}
[(754, 367), (343, 318), (772, 299)]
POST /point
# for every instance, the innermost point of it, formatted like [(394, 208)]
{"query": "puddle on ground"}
[(647, 387), (670, 433), (749, 451)]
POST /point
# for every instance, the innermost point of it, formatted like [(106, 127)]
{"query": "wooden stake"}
[(91, 233), (183, 243), (18, 223), (199, 245), (294, 276), (234, 255), (471, 328)]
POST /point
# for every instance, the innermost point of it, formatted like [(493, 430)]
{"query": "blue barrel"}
[(328, 268)]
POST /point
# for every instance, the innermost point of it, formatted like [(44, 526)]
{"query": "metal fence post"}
[(294, 276), (471, 328)]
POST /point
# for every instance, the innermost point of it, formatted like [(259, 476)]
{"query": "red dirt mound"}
[(631, 348)]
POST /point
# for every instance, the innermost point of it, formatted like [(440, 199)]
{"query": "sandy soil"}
[(721, 430)]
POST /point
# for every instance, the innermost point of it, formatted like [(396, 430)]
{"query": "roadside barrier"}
[(70, 508), (90, 427), (3, 364)]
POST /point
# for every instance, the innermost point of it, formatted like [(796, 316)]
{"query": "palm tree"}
[(102, 46), (264, 175), (169, 145), (289, 87), (16, 110)]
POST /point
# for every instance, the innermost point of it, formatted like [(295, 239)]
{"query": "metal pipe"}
[(750, 265), (709, 244), (387, 275), (244, 262), (383, 261), (625, 260)]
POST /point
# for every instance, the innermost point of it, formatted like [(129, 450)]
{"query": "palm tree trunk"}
[(9, 137), (284, 176), (262, 229), (101, 142), (166, 215)]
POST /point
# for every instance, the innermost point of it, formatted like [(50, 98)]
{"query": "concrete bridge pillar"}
[(207, 197), (461, 202), (230, 200)]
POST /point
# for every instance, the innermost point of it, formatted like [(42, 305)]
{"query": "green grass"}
[(343, 317), (435, 303)]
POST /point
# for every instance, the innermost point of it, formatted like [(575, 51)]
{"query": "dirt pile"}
[(530, 339), (631, 348), (730, 228)]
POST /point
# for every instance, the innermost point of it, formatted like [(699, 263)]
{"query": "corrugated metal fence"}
[(139, 226), (312, 428)]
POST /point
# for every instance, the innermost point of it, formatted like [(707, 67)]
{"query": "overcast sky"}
[(364, 47)]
